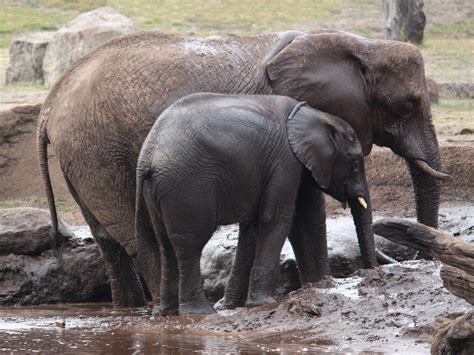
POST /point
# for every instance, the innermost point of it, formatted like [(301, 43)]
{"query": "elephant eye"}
[(407, 108)]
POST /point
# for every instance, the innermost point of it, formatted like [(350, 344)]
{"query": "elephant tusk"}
[(423, 166), (344, 204), (362, 202)]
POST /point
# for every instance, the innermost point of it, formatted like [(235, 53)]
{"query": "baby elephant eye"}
[(356, 166)]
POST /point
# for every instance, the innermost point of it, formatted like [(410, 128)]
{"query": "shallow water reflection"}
[(100, 329)]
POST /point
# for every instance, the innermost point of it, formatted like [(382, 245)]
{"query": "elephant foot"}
[(129, 298), (256, 301), (130, 303), (230, 303), (203, 308), (165, 311)]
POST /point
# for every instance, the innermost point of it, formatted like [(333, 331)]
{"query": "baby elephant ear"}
[(312, 141)]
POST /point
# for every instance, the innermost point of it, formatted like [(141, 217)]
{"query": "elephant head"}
[(328, 147), (379, 88)]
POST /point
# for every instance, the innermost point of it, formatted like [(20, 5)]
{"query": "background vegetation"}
[(448, 47)]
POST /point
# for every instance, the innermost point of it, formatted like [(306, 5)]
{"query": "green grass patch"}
[(453, 103), (448, 59), (463, 28), (451, 115), (223, 17), (7, 204), (62, 205), (76, 5), (15, 20), (448, 46), (10, 267)]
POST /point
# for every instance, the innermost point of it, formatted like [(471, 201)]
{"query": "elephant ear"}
[(327, 71), (312, 142)]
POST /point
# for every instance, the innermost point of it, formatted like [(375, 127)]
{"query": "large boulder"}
[(25, 231), (343, 249), (29, 272), (80, 36), (26, 58)]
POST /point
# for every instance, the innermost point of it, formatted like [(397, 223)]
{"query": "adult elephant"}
[(99, 112)]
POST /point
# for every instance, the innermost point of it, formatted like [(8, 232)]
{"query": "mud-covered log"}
[(454, 336), (432, 242), (457, 274), (458, 282)]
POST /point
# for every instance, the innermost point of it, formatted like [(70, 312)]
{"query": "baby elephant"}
[(213, 160)]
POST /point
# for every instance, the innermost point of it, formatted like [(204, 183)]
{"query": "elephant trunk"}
[(363, 222), (427, 189), (427, 186)]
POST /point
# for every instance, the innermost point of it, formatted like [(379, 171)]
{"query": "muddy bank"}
[(392, 308)]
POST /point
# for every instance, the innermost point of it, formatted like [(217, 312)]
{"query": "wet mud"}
[(388, 309), (100, 329)]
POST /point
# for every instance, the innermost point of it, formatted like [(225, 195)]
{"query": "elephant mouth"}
[(423, 166), (360, 200)]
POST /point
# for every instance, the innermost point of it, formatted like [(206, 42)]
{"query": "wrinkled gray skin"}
[(99, 112), (214, 159)]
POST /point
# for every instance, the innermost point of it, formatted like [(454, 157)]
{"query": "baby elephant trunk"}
[(361, 210)]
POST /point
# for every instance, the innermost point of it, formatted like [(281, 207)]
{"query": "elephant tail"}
[(42, 147)]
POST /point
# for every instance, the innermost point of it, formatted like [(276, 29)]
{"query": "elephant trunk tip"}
[(423, 166)]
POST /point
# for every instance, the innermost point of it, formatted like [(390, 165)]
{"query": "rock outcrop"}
[(26, 58), (80, 36), (29, 272), (463, 90), (26, 230)]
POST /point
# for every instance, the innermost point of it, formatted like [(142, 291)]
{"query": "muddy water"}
[(100, 329)]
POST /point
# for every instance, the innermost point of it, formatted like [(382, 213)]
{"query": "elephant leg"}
[(169, 302), (188, 249), (237, 286), (127, 290), (267, 256), (149, 261), (308, 234)]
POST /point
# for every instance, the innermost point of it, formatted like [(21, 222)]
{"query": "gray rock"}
[(27, 280), (462, 90), (29, 273), (218, 257), (216, 261), (25, 231), (26, 58), (80, 36)]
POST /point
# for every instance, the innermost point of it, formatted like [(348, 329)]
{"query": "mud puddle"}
[(100, 329)]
